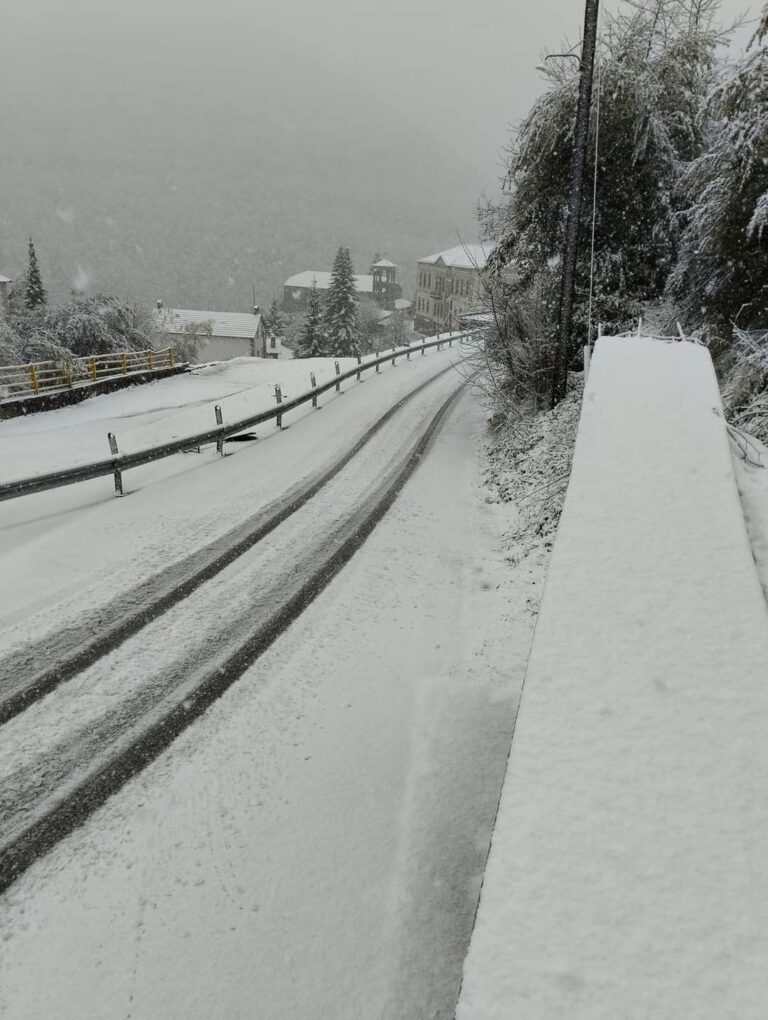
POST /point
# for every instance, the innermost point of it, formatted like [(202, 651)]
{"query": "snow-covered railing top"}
[(626, 876)]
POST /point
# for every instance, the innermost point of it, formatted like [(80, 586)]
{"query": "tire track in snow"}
[(72, 649), (39, 808)]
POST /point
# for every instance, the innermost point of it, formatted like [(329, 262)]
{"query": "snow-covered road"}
[(313, 846), (77, 547)]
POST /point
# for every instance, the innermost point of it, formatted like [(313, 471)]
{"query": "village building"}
[(379, 286), (5, 294), (221, 335), (448, 287)]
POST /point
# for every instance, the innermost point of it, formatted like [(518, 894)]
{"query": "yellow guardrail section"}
[(49, 376)]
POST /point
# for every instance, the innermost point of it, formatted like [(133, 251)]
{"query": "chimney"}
[(256, 310), (159, 306)]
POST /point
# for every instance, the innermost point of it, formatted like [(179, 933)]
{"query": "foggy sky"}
[(460, 69), (201, 151)]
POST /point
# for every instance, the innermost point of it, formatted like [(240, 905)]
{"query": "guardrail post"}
[(394, 358), (124, 363), (359, 363), (94, 369), (279, 399), (378, 367), (33, 380), (219, 421), (150, 360), (338, 372), (118, 474), (170, 357), (423, 350), (313, 384), (408, 354)]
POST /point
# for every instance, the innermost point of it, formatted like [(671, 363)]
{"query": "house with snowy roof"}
[(379, 286), (448, 287), (221, 335)]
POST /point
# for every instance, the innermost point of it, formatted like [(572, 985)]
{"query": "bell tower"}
[(385, 289)]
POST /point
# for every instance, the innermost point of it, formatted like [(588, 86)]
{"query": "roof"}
[(363, 282), (384, 264), (463, 256), (4, 279), (401, 304), (230, 324)]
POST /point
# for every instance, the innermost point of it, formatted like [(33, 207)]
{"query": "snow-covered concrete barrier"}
[(627, 876)]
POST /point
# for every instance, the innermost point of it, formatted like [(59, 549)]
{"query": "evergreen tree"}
[(311, 340), (35, 293), (340, 319), (274, 321)]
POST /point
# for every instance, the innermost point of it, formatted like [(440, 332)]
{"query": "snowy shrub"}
[(40, 346), (87, 325), (186, 345), (653, 68), (529, 464), (722, 274), (513, 355), (745, 392)]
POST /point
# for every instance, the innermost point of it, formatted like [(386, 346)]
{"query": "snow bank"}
[(153, 413), (627, 873)]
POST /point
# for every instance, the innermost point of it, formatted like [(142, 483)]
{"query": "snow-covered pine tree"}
[(274, 321), (35, 294), (340, 319), (721, 278), (311, 340)]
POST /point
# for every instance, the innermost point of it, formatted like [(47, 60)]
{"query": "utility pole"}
[(570, 246)]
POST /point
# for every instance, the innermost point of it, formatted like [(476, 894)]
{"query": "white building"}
[(379, 286), (296, 289), (5, 293), (222, 335), (448, 287)]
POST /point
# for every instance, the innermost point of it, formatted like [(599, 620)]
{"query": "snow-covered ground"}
[(313, 845), (77, 545), (627, 872)]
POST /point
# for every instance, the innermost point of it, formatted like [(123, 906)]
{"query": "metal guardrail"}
[(116, 464), (41, 377)]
